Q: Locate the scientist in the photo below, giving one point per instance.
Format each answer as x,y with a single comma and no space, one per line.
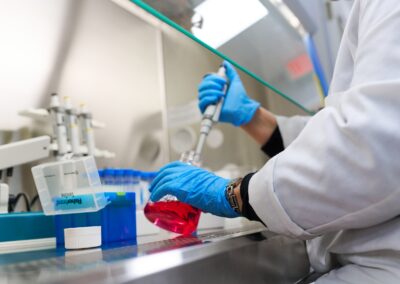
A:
334,178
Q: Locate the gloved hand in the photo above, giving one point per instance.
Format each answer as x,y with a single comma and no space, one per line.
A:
194,186
238,108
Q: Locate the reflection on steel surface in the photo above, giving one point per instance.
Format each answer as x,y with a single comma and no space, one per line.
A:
276,259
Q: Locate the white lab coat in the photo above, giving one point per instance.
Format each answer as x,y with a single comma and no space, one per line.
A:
337,183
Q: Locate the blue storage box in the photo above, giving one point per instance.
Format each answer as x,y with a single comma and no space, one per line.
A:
117,220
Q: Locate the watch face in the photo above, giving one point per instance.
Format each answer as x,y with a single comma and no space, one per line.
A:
230,196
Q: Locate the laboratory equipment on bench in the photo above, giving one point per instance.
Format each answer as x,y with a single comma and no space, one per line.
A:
173,215
128,180
87,129
169,213
4,192
117,220
57,113
19,153
72,127
69,186
82,237
72,191
73,132
210,117
146,179
64,144
24,151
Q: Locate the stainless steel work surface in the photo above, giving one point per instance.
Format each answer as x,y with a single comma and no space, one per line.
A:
245,255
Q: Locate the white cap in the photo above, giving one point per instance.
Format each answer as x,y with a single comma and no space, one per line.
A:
84,108
67,102
82,237
54,101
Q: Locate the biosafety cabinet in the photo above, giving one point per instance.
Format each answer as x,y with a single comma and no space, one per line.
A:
137,65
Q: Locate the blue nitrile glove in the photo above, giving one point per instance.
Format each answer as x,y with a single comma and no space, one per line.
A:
194,186
238,108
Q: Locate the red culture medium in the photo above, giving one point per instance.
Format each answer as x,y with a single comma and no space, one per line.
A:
174,216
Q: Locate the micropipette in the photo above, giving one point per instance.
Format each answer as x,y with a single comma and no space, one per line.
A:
72,127
87,129
210,117
59,129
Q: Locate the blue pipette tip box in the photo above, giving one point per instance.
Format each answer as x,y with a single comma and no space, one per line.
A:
117,220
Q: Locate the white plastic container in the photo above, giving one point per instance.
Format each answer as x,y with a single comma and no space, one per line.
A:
69,186
82,237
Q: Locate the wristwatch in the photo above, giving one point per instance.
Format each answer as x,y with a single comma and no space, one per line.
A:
230,195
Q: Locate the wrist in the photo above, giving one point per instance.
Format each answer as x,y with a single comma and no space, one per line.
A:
261,126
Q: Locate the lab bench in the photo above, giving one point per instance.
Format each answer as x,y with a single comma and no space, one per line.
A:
239,255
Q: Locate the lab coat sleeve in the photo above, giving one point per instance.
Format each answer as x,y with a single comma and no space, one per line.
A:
290,127
342,170
285,132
